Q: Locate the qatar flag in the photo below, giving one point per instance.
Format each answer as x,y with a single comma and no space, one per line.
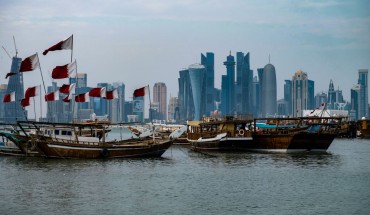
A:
140,92
113,94
84,97
64,44
29,64
67,98
53,96
97,92
9,97
25,102
32,91
10,74
67,88
60,72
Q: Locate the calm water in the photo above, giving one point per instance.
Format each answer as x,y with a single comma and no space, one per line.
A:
186,182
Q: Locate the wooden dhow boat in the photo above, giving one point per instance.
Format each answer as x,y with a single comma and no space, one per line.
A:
220,133
64,140
363,127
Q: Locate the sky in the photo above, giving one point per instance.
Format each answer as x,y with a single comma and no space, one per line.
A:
140,42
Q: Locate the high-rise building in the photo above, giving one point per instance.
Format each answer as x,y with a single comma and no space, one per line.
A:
197,73
302,93
335,97
208,61
256,97
173,110
364,93
355,113
81,87
118,105
228,87
260,77
160,97
14,110
185,95
288,97
244,81
269,91
321,98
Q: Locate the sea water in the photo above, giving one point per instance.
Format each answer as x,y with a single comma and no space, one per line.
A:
187,182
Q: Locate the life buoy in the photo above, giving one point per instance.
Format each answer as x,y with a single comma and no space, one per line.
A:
241,132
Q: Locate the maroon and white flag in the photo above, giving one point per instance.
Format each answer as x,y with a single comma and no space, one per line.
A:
53,96
67,88
98,92
113,94
9,97
64,44
25,102
140,92
68,70
10,74
84,97
67,98
32,91
30,63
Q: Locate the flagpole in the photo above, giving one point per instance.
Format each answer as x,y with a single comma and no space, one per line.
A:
43,83
72,49
150,114
34,106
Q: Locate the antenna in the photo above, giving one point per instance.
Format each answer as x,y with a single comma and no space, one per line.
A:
15,45
7,52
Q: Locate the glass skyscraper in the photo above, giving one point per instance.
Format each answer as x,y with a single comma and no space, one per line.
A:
160,97
364,91
197,73
14,110
208,61
268,92
303,93
228,87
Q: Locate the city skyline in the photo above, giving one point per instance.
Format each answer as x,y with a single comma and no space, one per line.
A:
328,40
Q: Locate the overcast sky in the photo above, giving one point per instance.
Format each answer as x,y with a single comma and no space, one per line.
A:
141,42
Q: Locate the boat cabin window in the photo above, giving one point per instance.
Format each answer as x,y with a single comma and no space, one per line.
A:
67,133
56,132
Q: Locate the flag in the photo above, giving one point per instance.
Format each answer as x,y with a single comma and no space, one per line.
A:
84,97
215,112
113,94
9,97
60,72
10,74
67,98
25,102
53,96
30,63
67,88
139,92
97,92
64,44
32,91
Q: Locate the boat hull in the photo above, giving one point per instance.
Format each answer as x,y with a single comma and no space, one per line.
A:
224,144
57,149
318,142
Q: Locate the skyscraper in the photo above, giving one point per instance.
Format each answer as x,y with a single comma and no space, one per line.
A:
364,93
228,87
244,81
14,110
269,92
197,73
160,97
185,95
303,90
355,102
208,61
173,110
288,96
119,111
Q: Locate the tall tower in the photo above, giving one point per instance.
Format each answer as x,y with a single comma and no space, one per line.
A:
288,96
269,91
364,93
160,97
228,87
14,110
197,73
208,61
185,95
302,93
244,81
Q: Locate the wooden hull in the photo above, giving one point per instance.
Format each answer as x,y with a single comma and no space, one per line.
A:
319,142
275,143
55,149
24,147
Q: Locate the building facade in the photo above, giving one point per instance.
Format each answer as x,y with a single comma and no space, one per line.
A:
160,98
303,90
208,61
228,87
268,91
197,74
